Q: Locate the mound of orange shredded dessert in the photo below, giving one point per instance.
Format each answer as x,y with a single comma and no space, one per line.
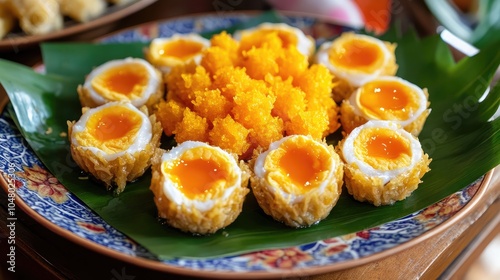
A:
247,94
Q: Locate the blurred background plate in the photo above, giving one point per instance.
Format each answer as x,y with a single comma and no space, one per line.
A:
17,40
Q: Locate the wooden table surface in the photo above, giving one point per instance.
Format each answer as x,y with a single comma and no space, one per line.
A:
42,254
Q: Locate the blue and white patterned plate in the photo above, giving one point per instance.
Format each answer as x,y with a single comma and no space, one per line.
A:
40,194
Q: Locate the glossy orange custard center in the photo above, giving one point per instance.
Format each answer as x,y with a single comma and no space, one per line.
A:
124,79
356,54
113,123
197,176
385,146
380,96
299,165
182,49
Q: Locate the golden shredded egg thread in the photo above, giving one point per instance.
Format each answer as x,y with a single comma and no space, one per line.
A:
114,142
298,180
194,181
249,99
383,162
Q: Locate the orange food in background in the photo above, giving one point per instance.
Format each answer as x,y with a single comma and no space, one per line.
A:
376,14
241,97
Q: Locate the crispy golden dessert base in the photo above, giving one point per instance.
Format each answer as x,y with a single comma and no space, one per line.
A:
121,170
314,206
241,100
190,219
341,90
372,190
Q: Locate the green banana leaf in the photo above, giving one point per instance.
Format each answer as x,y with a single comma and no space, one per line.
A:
459,135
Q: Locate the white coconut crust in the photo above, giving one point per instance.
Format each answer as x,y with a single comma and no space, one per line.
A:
117,172
373,190
314,207
189,218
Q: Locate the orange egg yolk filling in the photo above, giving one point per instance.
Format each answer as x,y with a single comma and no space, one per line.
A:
387,147
181,49
125,79
197,176
301,167
379,97
356,54
113,123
